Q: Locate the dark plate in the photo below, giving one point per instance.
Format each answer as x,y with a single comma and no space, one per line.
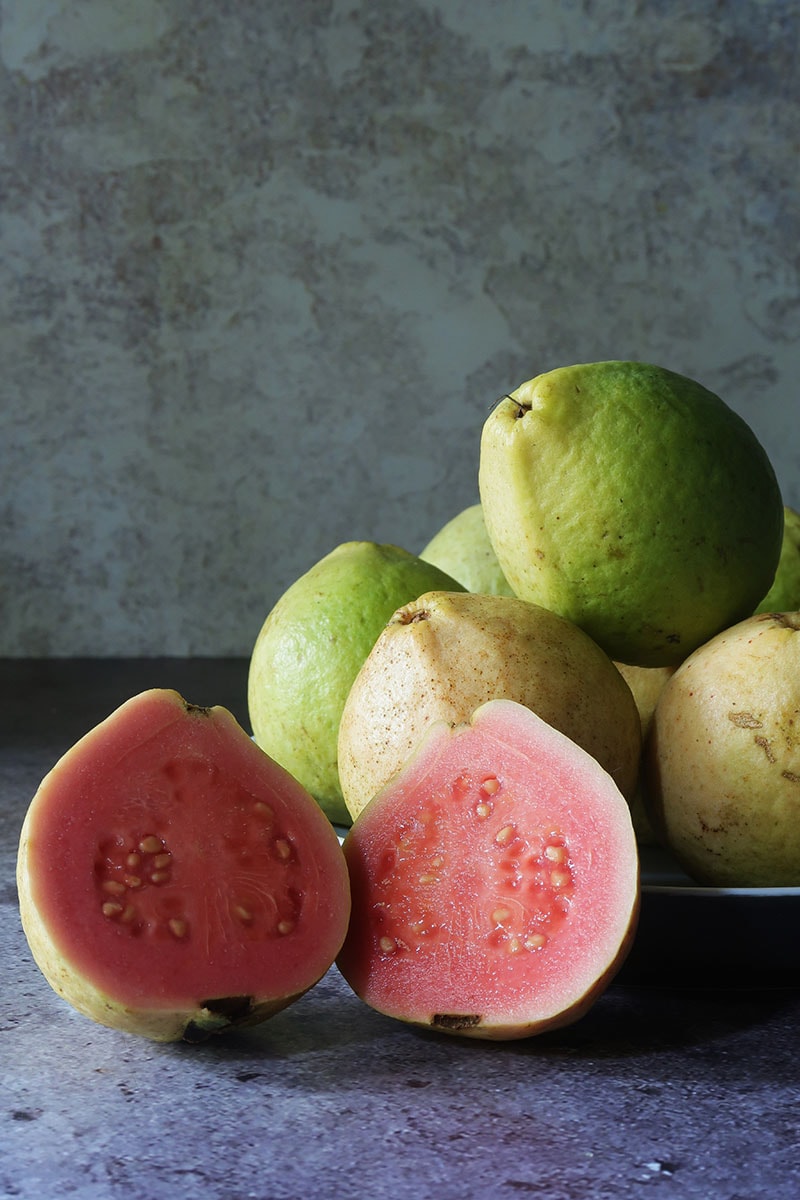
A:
712,937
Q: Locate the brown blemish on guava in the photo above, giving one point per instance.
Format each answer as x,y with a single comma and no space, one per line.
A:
455,1021
787,620
745,720
707,828
765,746
407,616
791,776
199,710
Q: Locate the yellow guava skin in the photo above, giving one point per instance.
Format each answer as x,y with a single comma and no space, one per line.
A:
310,647
462,548
784,595
445,654
646,684
632,501
722,757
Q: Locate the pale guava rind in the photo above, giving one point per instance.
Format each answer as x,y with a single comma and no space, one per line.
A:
310,648
438,860
646,684
462,549
784,595
75,811
445,654
722,757
633,501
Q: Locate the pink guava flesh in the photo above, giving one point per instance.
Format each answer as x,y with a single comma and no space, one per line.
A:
171,864
495,881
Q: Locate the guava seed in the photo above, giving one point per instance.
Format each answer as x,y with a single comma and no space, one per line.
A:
151,844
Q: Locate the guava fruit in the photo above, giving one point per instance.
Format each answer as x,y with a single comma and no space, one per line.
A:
633,501
310,648
646,684
445,654
494,881
462,549
173,880
723,757
784,595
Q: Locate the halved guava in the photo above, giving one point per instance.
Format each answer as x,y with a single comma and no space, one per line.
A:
173,879
494,880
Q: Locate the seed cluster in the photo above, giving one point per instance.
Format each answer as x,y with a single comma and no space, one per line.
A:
252,882
124,868
526,883
536,883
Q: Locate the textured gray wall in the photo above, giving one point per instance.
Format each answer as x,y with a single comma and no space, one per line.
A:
266,266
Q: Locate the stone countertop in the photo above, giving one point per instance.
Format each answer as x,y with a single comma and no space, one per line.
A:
663,1088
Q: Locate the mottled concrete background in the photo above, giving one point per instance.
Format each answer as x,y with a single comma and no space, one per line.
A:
266,266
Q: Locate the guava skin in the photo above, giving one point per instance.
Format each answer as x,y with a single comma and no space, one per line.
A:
173,881
504,840
445,654
784,595
586,521
722,758
310,647
462,548
646,684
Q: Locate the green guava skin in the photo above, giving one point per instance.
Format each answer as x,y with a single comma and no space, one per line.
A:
310,649
784,595
632,501
462,548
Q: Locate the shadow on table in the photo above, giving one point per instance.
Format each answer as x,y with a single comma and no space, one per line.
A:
349,1044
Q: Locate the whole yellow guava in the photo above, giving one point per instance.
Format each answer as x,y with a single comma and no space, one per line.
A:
443,655
722,757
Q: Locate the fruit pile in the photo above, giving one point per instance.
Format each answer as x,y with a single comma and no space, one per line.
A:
597,656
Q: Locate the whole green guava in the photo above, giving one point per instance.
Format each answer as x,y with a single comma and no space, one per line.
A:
633,501
309,651
462,548
784,595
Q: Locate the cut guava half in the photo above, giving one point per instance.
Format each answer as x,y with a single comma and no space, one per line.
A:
494,881
173,879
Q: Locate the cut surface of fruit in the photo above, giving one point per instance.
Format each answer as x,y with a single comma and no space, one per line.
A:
174,879
494,881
